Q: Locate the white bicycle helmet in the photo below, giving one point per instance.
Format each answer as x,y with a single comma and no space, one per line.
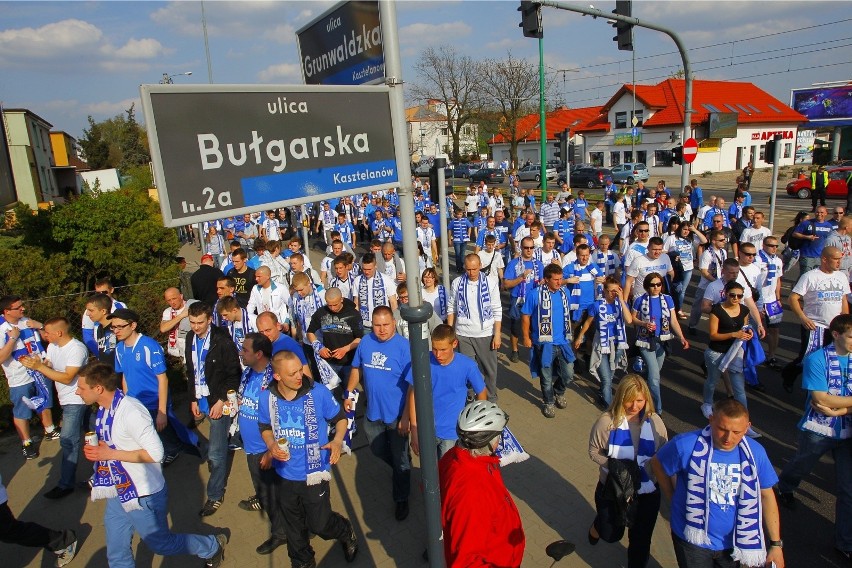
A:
478,424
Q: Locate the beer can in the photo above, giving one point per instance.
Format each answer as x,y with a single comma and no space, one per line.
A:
91,439
232,402
284,445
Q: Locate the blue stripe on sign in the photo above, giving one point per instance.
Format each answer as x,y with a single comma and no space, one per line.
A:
317,182
369,70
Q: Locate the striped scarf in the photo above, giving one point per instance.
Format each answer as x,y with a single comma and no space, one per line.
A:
316,461
379,296
545,314
483,299
611,332
583,292
749,545
238,333
839,384
111,479
662,316
606,261
621,448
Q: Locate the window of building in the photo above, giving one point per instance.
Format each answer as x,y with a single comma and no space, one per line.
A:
762,153
628,157
663,158
35,135
621,119
444,131
596,158
640,117
788,150
642,156
614,158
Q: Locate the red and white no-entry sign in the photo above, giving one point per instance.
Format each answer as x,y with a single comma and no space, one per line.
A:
690,150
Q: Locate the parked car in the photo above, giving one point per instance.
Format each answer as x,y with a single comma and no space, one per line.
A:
801,188
462,171
629,173
488,175
590,177
422,169
532,172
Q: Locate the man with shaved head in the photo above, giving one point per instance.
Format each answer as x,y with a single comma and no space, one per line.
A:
175,322
267,296
267,324
335,331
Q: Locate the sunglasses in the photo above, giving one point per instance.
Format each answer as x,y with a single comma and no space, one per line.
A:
749,254
529,248
735,296
643,230
655,285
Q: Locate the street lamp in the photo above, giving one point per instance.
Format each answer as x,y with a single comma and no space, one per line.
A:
168,79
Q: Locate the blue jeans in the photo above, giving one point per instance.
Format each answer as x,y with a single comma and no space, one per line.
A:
387,444
692,556
811,448
217,458
459,250
70,440
712,359
654,362
680,288
153,528
605,375
564,375
807,263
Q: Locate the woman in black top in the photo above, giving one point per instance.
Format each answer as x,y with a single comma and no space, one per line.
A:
728,321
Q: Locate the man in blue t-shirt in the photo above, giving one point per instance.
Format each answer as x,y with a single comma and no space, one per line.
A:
813,233
256,354
460,228
521,275
714,494
382,364
267,324
294,416
452,375
822,430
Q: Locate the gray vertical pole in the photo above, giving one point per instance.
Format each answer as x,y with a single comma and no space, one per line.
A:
446,239
416,313
773,193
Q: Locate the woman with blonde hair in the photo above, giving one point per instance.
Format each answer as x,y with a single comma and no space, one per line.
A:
630,429
433,292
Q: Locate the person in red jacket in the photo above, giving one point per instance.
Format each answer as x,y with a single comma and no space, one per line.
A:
481,523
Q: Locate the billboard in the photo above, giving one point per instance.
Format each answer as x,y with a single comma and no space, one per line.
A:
343,46
219,150
722,125
824,103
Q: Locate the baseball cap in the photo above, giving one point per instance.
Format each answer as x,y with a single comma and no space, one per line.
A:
124,314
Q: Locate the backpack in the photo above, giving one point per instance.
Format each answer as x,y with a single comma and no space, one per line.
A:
795,243
622,488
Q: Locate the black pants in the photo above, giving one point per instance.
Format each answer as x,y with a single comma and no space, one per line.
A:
308,508
817,195
267,483
31,534
639,535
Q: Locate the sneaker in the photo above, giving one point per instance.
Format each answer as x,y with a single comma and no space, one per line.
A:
234,447
58,492
250,504
53,436
561,401
216,560
707,410
773,364
209,508
30,451
759,387
269,546
787,500
170,459
349,544
549,411
514,357
67,554
752,433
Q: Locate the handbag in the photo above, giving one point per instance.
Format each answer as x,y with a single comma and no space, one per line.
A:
622,488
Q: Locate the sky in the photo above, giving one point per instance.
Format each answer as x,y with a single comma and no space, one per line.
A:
67,60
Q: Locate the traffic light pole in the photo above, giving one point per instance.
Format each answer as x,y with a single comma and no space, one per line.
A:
542,128
773,193
687,68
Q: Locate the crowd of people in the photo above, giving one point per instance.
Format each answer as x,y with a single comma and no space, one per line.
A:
278,354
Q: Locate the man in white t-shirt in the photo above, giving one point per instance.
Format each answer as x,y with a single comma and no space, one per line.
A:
757,232
771,270
267,296
491,260
134,448
65,356
175,322
327,264
18,333
597,218
841,238
818,297
710,267
652,261
371,289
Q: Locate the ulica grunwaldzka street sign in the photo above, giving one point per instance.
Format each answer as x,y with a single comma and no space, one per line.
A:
220,150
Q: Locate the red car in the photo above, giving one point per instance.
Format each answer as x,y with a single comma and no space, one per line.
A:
801,188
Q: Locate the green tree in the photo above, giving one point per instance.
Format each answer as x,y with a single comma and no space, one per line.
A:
94,146
133,152
117,142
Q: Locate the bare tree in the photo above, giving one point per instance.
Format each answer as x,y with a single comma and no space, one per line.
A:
452,80
512,89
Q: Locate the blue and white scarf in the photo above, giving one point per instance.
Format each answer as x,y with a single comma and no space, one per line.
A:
607,262
610,317
509,450
545,314
583,292
316,461
379,296
304,308
839,384
345,286
442,302
660,314
749,545
483,299
199,357
32,347
247,373
111,479
816,340
351,426
327,374
527,284
238,334
621,447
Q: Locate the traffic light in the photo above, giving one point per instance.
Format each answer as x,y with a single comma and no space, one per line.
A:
677,155
433,182
770,153
531,19
624,37
562,144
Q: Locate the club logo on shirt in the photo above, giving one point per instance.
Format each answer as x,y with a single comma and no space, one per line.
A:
378,360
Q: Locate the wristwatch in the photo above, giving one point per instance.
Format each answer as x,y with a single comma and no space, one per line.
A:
777,543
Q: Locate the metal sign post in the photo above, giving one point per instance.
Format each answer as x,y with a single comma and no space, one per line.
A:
446,239
417,312
773,193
